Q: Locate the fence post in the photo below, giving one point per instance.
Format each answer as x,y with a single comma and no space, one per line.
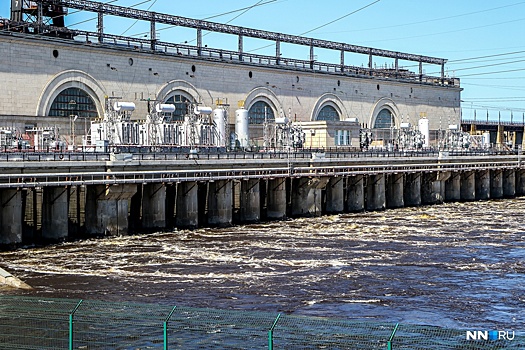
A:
71,324
270,332
166,328
392,337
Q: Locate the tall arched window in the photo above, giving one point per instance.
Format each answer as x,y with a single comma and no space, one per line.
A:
384,120
181,106
73,101
328,113
257,113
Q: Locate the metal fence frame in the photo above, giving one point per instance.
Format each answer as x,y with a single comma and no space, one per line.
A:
40,323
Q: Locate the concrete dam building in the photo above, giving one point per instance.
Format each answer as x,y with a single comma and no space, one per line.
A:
50,73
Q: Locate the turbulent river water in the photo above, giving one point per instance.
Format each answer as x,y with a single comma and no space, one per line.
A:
458,265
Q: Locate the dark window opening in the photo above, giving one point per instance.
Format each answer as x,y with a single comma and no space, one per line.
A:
328,113
259,111
73,101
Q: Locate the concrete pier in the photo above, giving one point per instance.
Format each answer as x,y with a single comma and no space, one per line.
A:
496,184
107,209
520,182
153,206
468,186
276,199
187,205
453,187
433,189
307,195
55,209
509,183
412,190
482,183
220,205
335,202
355,191
250,200
395,191
375,192
10,216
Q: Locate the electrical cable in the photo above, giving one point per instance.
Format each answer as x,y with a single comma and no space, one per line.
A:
431,20
109,2
239,15
136,21
214,16
340,18
326,24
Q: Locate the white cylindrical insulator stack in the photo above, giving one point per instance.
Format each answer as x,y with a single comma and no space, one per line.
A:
241,127
219,118
423,129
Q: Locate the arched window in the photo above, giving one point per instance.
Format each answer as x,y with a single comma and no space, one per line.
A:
258,111
181,106
328,113
73,101
384,120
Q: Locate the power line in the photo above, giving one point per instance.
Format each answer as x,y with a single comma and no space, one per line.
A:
340,18
496,72
483,66
487,56
326,24
215,16
239,15
450,32
131,26
431,20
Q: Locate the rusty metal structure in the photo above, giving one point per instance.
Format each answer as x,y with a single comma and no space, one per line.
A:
47,17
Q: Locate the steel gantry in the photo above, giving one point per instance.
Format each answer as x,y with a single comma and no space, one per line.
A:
153,17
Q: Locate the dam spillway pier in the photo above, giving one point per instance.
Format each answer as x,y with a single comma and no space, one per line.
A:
71,198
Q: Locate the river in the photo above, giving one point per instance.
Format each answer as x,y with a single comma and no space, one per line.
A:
457,265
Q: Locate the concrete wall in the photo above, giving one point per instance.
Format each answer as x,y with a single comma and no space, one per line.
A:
32,76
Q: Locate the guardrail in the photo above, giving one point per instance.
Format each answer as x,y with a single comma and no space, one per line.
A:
138,153
30,180
39,323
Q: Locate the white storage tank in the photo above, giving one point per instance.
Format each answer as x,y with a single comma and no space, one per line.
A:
241,127
219,119
423,129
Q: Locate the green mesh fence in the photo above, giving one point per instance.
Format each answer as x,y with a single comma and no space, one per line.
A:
296,332
28,323
37,323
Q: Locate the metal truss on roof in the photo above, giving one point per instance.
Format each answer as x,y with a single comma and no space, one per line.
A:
154,17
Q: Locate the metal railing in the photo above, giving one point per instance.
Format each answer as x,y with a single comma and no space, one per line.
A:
86,177
87,154
39,323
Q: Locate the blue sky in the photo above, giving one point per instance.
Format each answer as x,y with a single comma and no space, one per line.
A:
483,40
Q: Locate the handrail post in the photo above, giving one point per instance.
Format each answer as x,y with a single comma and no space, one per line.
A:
270,332
71,324
166,328
392,337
